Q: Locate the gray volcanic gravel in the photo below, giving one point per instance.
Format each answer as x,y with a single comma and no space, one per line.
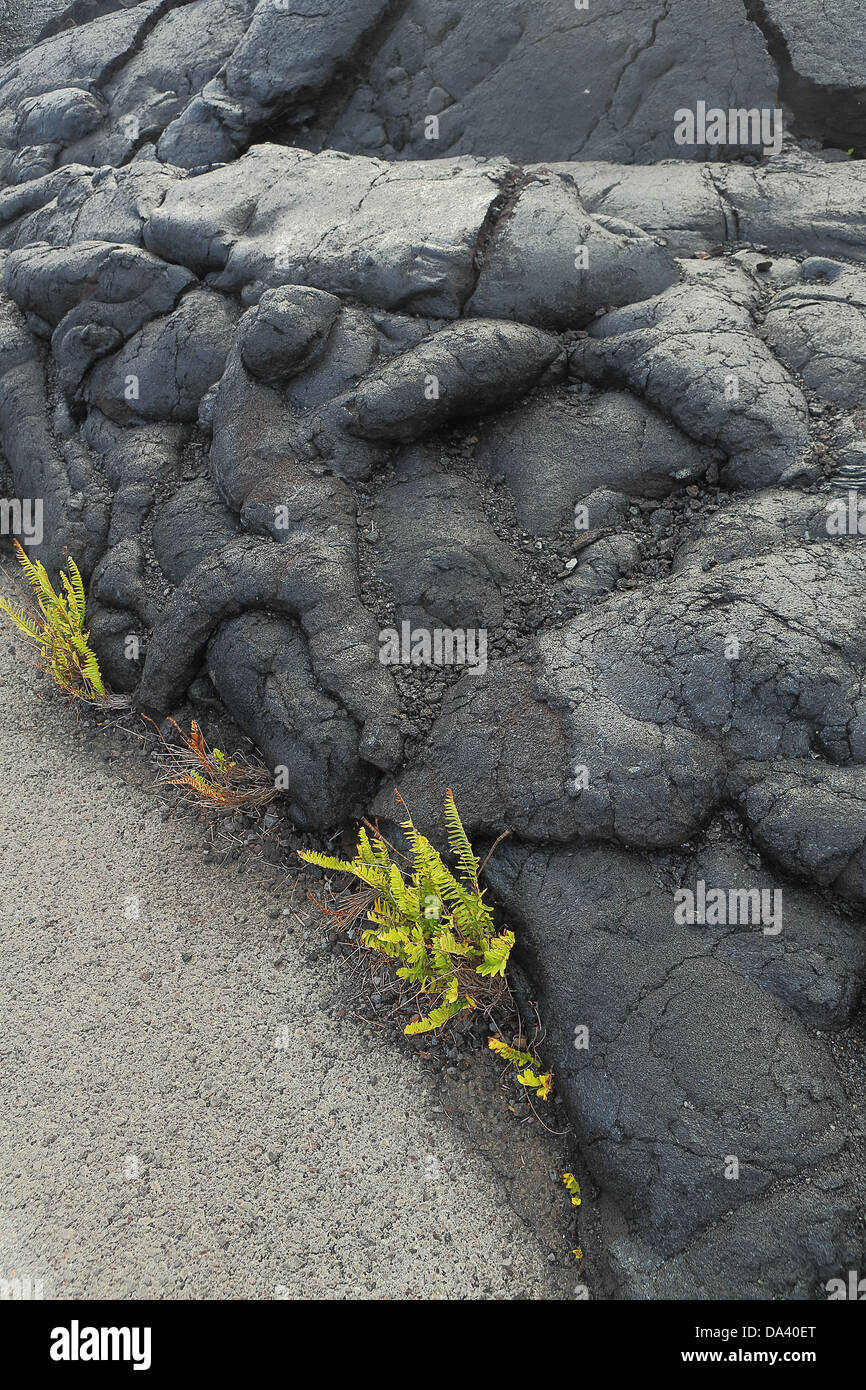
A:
190,1109
317,324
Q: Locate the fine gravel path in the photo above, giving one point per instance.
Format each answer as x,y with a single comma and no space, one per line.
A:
182,1116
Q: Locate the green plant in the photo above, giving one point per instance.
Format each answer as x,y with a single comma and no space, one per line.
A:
434,925
57,628
531,1075
573,1187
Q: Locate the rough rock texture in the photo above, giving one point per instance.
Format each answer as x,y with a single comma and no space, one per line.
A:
818,328
558,448
696,357
316,327
549,80
701,1047
528,272
197,80
821,54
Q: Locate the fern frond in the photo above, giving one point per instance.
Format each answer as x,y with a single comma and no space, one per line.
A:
327,861
77,587
458,841
436,1017
540,1084
22,620
92,673
511,1054
573,1187
71,617
30,569
496,955
531,1075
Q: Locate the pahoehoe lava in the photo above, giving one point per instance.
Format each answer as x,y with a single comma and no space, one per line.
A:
239,242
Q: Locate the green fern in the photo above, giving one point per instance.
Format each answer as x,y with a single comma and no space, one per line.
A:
434,924
58,628
458,841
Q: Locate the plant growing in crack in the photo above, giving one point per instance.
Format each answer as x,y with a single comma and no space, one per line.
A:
573,1188
433,926
56,626
209,776
528,1067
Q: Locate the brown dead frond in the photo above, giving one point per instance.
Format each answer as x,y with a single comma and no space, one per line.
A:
209,776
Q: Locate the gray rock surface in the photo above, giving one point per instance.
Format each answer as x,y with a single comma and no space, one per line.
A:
696,357
822,63
692,1060
528,271
818,329
556,450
